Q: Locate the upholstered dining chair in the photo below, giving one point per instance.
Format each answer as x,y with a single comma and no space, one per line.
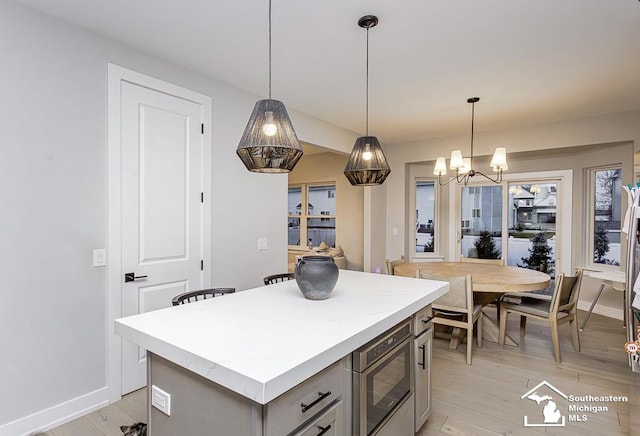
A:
456,307
277,278
391,264
202,294
558,308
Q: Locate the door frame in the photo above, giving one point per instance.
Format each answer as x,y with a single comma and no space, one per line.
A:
115,76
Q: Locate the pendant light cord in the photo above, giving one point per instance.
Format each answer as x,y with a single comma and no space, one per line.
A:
366,130
473,110
269,49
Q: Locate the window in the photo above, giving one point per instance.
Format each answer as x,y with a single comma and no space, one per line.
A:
532,225
605,215
425,217
481,213
316,222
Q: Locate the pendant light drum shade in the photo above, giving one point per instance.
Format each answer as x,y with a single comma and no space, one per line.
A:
367,165
269,143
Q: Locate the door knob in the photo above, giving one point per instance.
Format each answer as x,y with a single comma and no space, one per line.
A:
131,277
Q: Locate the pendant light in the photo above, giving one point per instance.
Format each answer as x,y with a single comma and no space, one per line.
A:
269,143
367,165
463,166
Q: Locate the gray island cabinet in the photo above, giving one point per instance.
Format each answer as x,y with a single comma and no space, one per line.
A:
266,361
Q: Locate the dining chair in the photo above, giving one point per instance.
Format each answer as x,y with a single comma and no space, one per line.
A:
456,308
558,308
391,264
500,262
202,294
277,278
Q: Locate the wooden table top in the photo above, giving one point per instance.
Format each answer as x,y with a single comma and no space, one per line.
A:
485,277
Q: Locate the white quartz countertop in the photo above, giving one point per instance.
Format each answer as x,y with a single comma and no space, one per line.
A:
264,341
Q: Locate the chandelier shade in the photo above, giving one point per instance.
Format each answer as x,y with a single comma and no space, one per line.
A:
269,143
367,165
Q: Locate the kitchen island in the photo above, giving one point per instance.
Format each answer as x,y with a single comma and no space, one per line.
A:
254,347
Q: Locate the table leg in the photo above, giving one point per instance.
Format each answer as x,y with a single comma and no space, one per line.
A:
491,331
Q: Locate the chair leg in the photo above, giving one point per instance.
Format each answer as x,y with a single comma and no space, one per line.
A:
479,332
553,325
523,325
503,325
469,344
575,333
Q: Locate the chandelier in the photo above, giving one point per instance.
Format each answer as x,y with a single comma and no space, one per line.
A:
463,166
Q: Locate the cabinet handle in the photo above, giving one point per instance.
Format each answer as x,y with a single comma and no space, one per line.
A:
321,396
422,347
323,430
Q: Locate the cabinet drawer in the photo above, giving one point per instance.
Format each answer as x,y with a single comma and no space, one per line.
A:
421,320
327,424
297,406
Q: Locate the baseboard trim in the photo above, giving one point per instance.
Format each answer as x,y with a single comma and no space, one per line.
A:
611,312
57,415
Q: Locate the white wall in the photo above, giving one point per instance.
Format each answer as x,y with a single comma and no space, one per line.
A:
53,187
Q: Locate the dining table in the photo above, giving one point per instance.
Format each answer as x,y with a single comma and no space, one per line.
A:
490,281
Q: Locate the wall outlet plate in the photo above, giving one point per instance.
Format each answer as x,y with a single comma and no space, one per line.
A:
161,400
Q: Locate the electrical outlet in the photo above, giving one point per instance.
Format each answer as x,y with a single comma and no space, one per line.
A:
161,400
262,243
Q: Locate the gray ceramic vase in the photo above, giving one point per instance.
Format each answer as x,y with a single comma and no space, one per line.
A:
316,276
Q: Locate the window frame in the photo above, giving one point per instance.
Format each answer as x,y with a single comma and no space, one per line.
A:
305,216
590,183
437,232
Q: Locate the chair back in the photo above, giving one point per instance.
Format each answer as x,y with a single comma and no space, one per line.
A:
202,294
485,261
566,292
277,278
460,295
391,264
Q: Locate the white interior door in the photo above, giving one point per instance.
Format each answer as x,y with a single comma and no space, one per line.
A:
162,212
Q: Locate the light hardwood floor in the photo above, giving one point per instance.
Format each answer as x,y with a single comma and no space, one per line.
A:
484,398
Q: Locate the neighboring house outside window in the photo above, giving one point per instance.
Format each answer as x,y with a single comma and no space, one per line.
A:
315,223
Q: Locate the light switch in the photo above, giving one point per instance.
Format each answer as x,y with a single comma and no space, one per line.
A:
394,231
100,257
262,243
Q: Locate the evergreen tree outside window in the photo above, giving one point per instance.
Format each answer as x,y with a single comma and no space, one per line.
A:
606,215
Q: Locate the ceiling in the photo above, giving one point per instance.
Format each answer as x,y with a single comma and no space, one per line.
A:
530,61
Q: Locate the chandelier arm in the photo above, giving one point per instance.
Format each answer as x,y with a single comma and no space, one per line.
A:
497,180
